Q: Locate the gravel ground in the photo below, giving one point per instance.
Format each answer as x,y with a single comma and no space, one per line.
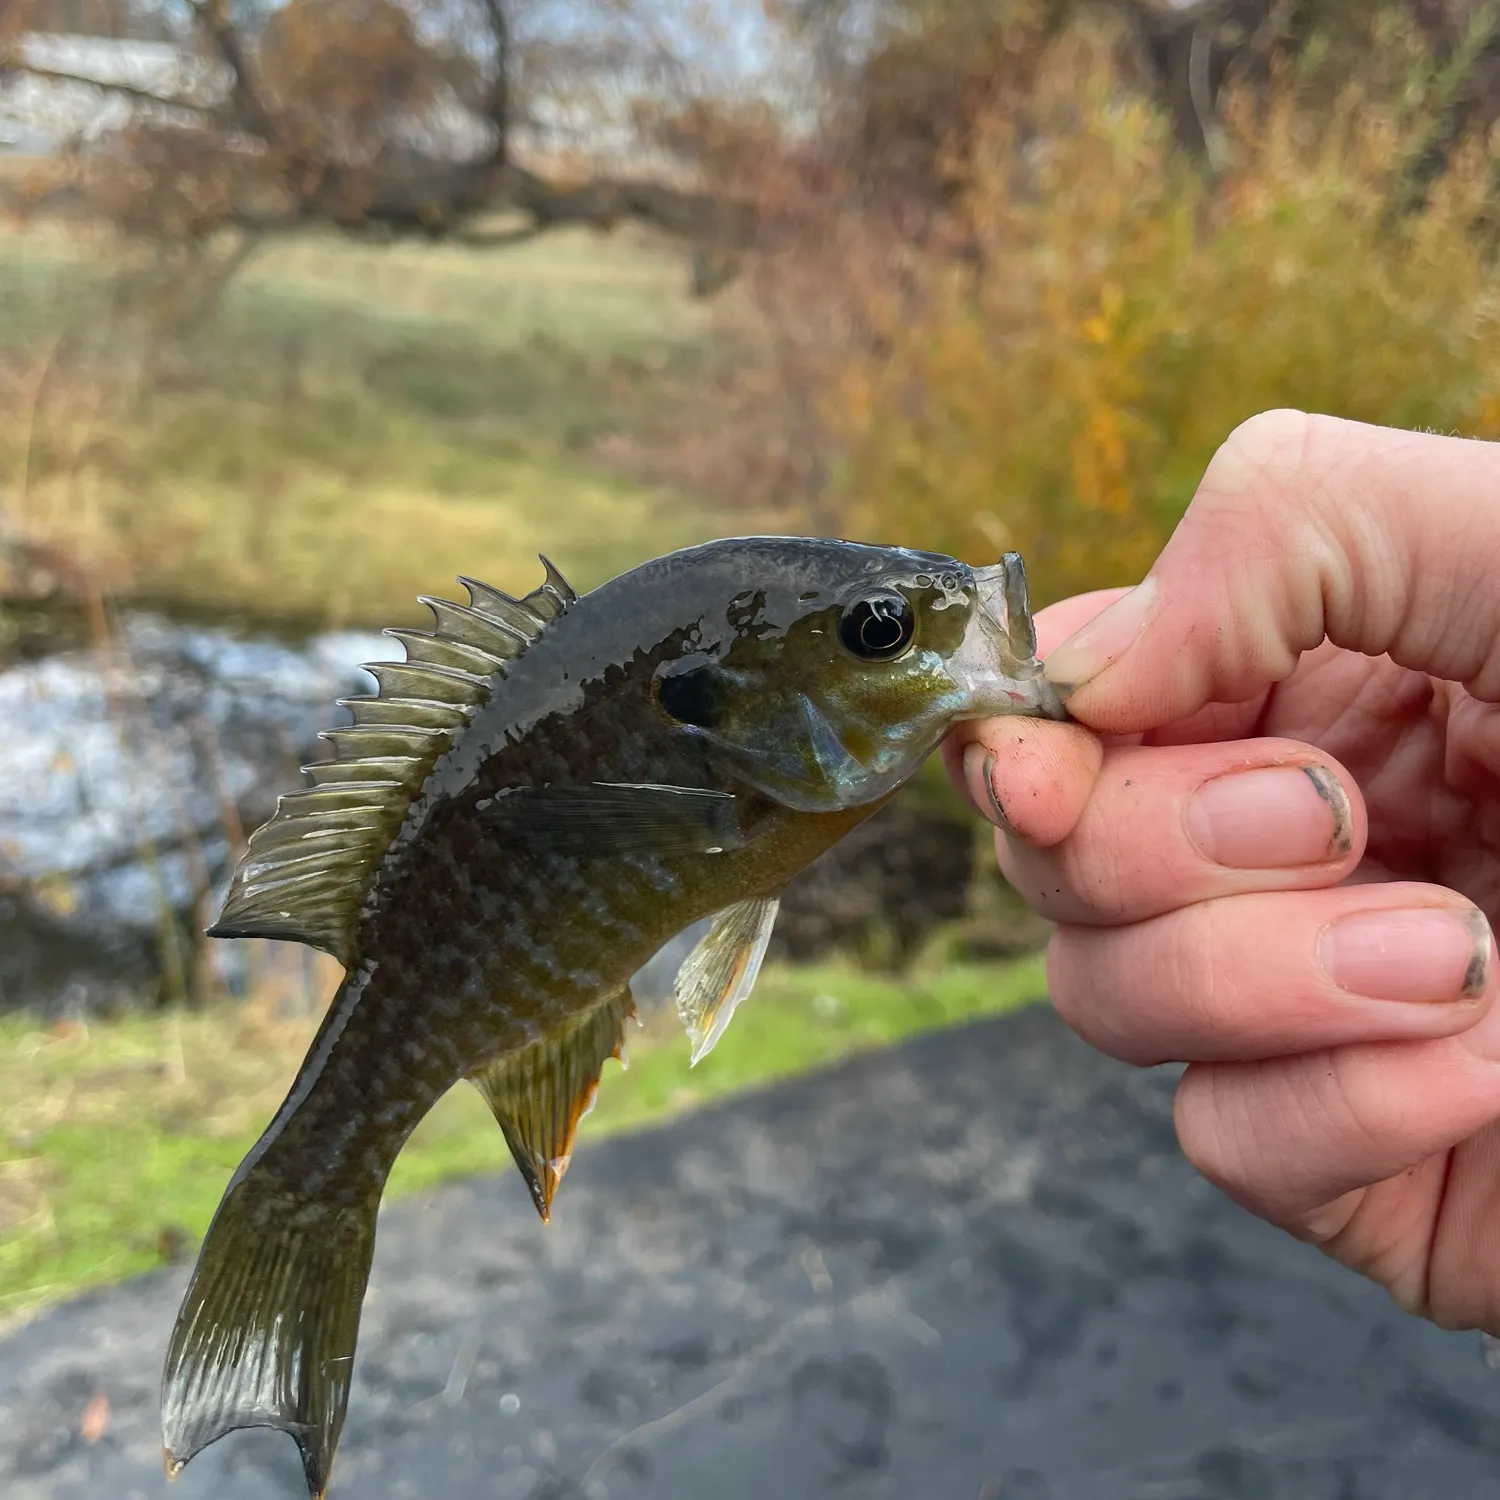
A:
974,1268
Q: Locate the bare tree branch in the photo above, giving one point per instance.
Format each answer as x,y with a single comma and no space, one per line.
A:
439,200
497,99
607,201
124,90
212,17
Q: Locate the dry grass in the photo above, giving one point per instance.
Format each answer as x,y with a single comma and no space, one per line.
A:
350,426
1066,398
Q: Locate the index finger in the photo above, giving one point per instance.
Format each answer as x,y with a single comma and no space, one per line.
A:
1304,528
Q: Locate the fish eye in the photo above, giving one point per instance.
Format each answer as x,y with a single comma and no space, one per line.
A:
878,627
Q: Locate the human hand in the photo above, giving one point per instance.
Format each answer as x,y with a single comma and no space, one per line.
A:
1277,854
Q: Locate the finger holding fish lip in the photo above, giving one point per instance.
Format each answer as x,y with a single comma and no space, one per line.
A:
1167,826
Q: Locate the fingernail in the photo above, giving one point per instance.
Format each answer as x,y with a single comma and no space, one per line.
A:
1271,818
979,775
1101,643
1433,955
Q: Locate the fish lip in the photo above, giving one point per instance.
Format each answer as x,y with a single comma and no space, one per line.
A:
1003,598
996,665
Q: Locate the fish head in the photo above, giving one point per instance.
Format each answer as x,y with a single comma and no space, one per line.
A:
828,681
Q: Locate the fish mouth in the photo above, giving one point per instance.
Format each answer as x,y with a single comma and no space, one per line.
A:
996,664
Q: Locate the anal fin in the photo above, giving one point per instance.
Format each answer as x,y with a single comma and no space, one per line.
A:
541,1092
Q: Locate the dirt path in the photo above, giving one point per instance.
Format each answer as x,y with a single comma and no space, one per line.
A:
971,1269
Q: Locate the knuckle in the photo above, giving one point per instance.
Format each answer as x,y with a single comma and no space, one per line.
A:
1070,986
1083,992
1102,863
1270,443
1208,1123
1200,978
1126,858
1360,1100
1248,479
1096,988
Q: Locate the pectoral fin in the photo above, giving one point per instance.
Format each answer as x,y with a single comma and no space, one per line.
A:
620,817
721,970
540,1093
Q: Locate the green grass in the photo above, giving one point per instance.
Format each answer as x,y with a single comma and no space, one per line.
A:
116,1139
352,425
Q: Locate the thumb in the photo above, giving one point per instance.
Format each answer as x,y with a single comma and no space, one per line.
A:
1304,528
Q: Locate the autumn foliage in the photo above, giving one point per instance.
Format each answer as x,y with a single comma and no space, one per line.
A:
1053,369
340,73
1005,276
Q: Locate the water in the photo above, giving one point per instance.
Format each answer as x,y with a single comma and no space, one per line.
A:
122,780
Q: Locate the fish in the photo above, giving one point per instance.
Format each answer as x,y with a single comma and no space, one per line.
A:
538,799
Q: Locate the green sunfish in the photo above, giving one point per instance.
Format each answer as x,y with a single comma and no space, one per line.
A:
539,798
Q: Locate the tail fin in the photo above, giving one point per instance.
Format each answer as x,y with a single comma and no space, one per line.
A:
266,1333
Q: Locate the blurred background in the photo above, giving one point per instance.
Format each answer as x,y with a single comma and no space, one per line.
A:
308,306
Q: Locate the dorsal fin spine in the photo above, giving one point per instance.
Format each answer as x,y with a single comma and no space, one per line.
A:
358,741
461,623
553,598
433,649
445,684
419,713
499,605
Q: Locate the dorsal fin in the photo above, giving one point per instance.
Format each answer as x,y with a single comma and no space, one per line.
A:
306,871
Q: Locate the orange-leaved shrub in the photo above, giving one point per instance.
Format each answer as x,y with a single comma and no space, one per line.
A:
1058,382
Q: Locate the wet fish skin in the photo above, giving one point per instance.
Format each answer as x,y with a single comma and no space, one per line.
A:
680,742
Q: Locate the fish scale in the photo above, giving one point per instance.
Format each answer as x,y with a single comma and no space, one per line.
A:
542,795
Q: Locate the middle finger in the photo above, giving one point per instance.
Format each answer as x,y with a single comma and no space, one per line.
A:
1166,826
